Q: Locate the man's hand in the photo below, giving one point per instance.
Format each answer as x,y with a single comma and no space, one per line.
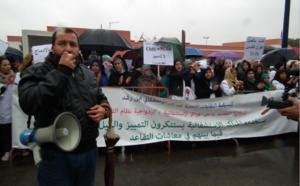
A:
96,113
291,112
68,60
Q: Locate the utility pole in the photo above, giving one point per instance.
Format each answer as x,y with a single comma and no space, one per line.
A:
286,19
206,38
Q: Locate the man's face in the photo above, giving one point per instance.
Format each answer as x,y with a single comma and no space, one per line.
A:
65,42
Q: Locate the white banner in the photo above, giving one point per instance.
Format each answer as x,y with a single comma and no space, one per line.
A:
40,52
254,48
158,53
141,119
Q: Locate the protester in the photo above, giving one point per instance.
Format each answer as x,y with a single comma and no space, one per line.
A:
281,81
279,65
146,80
193,75
218,70
27,62
164,73
7,77
230,84
241,70
95,67
107,64
259,70
178,90
120,77
63,84
207,87
251,83
265,79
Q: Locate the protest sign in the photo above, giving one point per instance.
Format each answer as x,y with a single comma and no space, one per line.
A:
254,48
158,53
40,52
3,47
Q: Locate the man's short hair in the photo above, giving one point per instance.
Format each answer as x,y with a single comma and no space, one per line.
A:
65,31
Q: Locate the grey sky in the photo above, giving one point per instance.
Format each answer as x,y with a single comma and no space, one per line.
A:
221,20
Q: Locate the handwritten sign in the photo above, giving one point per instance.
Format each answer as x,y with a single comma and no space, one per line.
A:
3,47
254,48
141,119
40,52
158,53
202,63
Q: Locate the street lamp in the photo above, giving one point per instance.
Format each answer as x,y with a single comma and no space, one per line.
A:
206,38
112,23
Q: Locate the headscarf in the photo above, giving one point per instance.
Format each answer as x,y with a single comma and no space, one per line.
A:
277,77
268,86
246,75
229,77
95,61
145,67
124,65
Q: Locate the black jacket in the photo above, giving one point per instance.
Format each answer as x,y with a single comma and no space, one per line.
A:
204,90
176,81
47,89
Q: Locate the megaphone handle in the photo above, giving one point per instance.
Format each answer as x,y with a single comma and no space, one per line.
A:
105,105
31,135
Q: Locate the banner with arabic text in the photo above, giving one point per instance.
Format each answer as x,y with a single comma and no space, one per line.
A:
141,119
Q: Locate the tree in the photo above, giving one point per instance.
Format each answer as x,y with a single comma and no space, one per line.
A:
293,42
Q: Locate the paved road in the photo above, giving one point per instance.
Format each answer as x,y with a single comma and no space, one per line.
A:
257,161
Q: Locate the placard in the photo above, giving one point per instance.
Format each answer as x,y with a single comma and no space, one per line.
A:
158,53
40,52
254,48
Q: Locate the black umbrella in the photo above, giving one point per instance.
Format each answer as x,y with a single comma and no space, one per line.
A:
103,41
268,48
13,54
277,55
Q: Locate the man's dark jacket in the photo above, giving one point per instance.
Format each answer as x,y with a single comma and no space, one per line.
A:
48,89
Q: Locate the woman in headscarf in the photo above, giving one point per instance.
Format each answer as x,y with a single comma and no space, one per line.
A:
265,79
230,84
147,80
281,81
251,83
120,77
241,70
177,87
207,87
95,67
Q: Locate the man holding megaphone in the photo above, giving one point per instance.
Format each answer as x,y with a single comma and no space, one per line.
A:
64,98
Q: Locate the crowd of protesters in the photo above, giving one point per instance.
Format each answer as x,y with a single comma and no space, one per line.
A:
185,80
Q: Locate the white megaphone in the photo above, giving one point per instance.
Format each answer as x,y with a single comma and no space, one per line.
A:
65,133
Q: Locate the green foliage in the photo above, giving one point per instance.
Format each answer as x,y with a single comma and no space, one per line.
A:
293,42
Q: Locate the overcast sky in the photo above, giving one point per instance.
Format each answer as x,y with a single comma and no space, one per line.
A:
220,20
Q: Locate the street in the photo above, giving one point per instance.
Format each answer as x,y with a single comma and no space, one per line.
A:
272,160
